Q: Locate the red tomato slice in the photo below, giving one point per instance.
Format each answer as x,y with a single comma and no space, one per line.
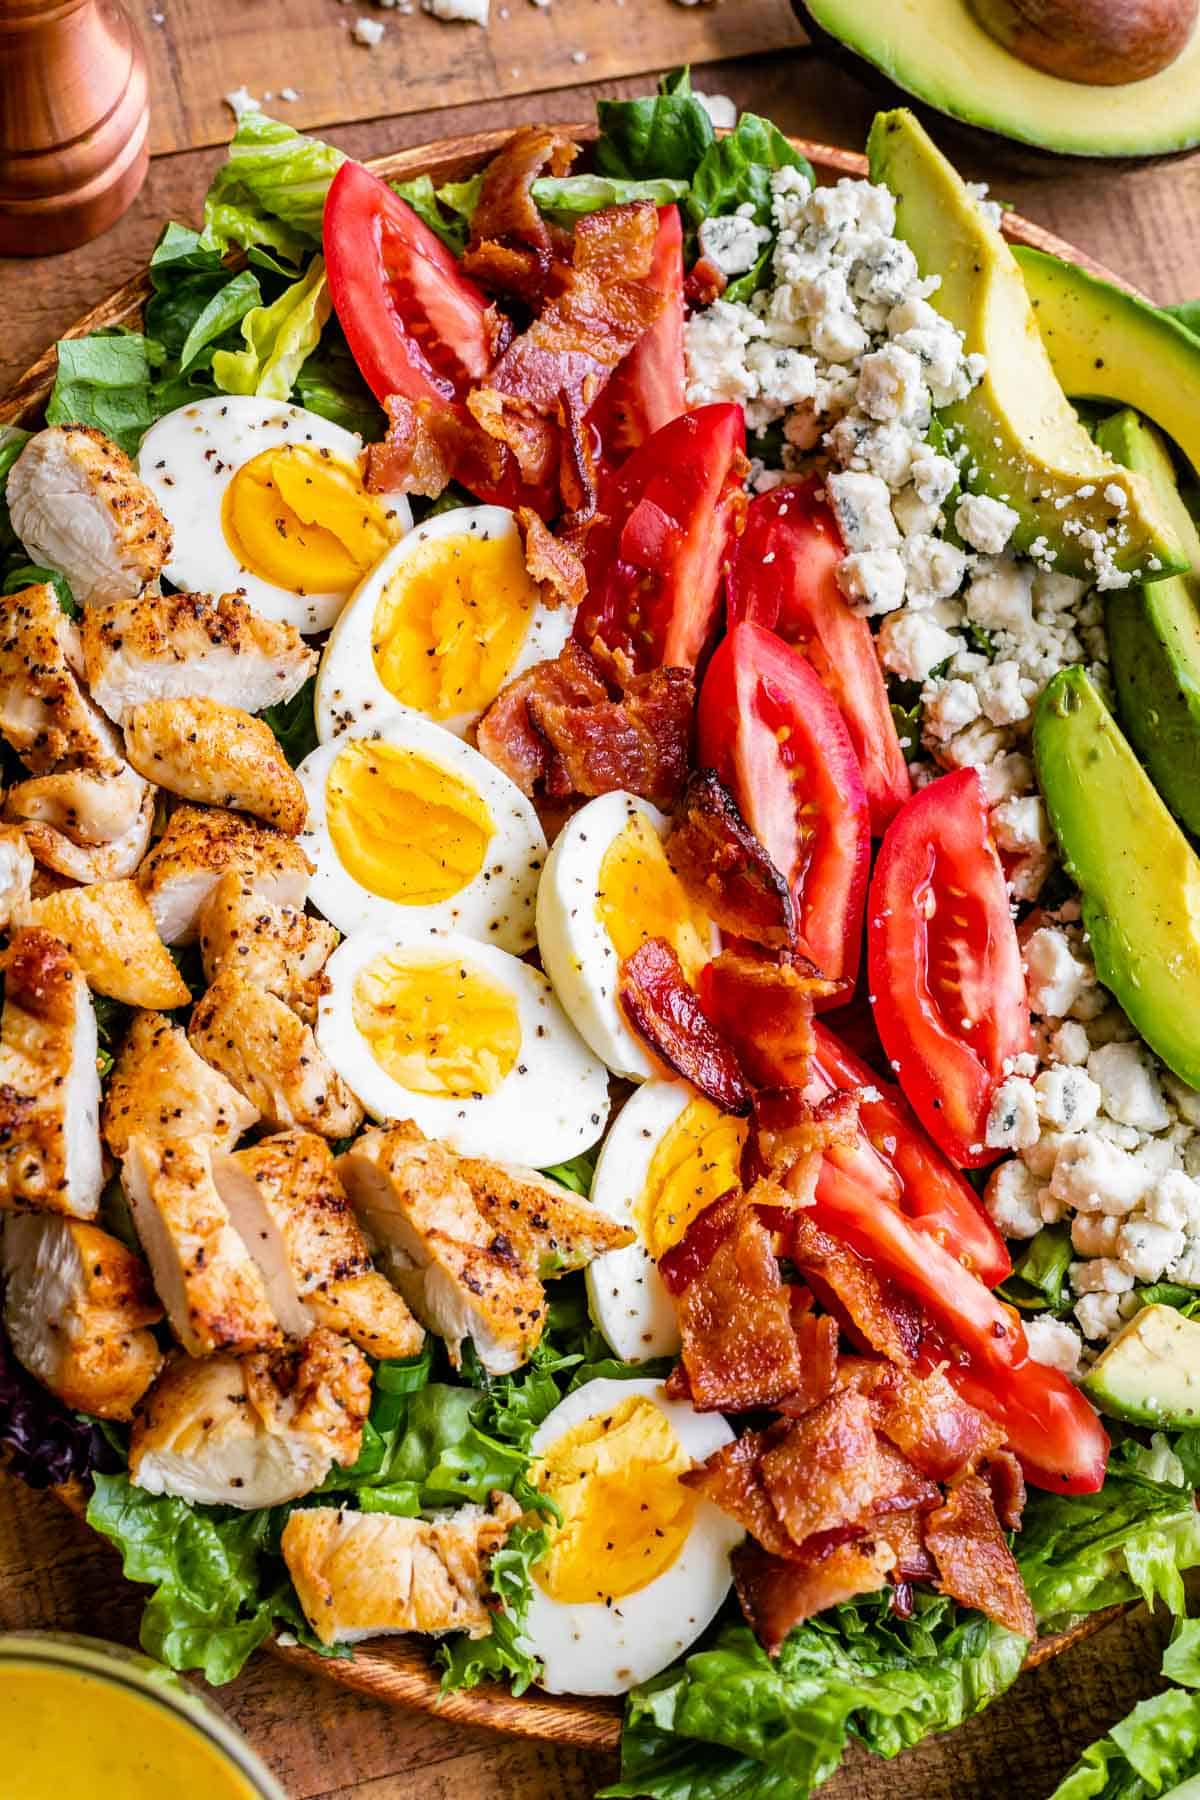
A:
944,964
933,1194
645,391
1051,1426
784,576
771,731
414,323
656,555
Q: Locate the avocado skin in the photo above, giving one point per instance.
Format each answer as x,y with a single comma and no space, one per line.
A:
1138,875
1154,638
1025,444
1150,1373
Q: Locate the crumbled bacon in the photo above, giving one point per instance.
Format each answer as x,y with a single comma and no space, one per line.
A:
513,247
1006,1479
792,1135
662,1008
911,1561
722,865
427,445
704,283
551,562
924,1417
974,1563
817,1347
879,1315
765,1009
732,1479
777,1594
825,1471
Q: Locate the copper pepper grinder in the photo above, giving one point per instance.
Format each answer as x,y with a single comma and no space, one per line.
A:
74,112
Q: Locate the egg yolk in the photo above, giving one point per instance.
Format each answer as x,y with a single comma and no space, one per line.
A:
640,896
625,1513
301,519
437,1026
404,827
450,623
697,1160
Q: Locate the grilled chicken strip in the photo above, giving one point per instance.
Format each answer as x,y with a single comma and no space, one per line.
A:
199,845
210,1285
551,1229
50,1154
91,793
110,931
189,647
275,947
252,1432
217,754
160,1088
16,876
285,1199
271,1056
76,1305
90,806
44,712
361,1575
79,506
461,1277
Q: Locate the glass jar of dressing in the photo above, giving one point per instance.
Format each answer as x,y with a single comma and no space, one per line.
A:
78,1716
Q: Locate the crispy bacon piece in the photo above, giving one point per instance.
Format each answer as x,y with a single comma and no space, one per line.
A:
974,1564
551,562
778,1594
817,1344
791,1135
507,735
911,1561
512,247
825,1471
551,375
1006,1479
704,284
765,1009
924,1417
663,1010
722,865
427,445
887,1320
732,1479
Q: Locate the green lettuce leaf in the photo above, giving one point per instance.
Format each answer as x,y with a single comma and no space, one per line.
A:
1155,1749
664,136
1181,1658
570,196
18,575
12,441
294,722
270,193
106,381
329,383
278,338
446,210
736,170
504,1654
196,301
1040,1272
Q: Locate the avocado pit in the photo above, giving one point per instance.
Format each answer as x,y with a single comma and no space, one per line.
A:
1102,43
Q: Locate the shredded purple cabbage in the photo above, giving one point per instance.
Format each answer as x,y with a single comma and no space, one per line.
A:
43,1442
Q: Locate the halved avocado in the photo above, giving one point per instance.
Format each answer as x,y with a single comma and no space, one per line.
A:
1026,445
938,51
1109,345
1154,637
1138,875
1150,1373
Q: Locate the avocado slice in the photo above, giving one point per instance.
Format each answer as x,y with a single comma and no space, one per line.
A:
1138,874
938,51
1025,443
1154,637
1106,344
1150,1373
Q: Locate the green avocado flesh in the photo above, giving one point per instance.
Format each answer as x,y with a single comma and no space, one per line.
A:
1154,637
1026,446
1109,345
1138,875
938,51
1150,1373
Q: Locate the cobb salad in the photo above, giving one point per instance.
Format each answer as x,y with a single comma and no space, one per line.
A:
597,1055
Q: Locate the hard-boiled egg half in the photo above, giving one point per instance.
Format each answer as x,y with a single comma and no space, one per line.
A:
640,1563
447,618
410,829
670,1153
607,886
465,1040
268,499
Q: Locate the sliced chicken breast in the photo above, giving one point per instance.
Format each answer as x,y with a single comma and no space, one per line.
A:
252,1432
160,1088
279,948
16,876
209,1283
271,1056
91,793
44,713
362,1575
551,1229
91,806
79,506
76,1305
291,1210
189,647
217,754
199,845
50,1153
110,931
461,1278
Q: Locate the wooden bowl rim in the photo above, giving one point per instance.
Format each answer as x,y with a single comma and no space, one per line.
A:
399,1671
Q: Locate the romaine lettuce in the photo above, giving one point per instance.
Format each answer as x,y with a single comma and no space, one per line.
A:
1155,1750
270,193
278,338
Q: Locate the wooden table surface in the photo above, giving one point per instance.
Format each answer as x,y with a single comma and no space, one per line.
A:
1142,221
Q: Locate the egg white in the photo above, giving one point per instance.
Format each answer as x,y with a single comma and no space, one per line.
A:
188,460
552,1106
590,1648
497,906
349,690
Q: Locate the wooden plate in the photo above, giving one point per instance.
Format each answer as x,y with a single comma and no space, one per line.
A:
400,1670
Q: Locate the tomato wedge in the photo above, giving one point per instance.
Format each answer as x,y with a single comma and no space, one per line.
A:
771,731
944,964
784,576
414,323
932,1194
656,555
646,390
